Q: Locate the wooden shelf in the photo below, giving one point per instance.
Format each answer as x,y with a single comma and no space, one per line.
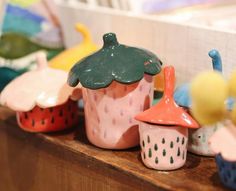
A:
67,161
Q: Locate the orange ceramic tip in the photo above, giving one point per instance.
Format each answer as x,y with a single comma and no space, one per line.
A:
167,112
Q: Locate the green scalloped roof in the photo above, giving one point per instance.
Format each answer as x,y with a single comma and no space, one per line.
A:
114,61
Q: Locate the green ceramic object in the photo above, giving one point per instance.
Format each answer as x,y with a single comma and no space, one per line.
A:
7,75
114,61
15,45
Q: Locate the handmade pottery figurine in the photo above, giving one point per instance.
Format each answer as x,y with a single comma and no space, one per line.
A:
117,84
42,100
66,59
209,107
163,130
198,138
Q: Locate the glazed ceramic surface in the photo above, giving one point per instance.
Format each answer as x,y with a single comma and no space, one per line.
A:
41,99
110,112
227,171
66,59
118,84
182,96
49,119
44,87
163,148
198,139
114,62
167,112
163,130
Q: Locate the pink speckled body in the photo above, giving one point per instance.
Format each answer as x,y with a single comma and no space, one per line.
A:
163,147
109,113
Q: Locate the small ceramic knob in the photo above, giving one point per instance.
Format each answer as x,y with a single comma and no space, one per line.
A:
109,39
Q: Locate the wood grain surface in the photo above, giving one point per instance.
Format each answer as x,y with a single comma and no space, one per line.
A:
66,161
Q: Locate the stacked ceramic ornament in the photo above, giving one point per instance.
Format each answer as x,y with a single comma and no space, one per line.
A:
117,90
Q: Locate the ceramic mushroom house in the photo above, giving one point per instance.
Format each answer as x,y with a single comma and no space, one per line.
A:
117,84
209,108
42,99
198,138
163,130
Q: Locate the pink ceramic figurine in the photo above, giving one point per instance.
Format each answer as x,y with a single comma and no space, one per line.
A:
164,130
42,99
117,84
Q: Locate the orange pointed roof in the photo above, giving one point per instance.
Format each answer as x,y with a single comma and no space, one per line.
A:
167,112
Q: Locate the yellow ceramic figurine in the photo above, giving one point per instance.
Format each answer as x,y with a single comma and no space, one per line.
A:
232,84
69,57
232,93
209,92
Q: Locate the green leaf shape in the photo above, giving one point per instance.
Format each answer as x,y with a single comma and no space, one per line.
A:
15,45
114,61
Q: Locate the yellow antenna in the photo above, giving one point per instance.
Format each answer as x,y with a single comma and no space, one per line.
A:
84,32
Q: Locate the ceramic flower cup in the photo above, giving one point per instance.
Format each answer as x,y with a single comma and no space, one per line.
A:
42,100
117,84
163,130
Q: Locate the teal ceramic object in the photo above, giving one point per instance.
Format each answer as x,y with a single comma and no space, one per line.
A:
114,61
181,95
216,60
15,45
7,75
